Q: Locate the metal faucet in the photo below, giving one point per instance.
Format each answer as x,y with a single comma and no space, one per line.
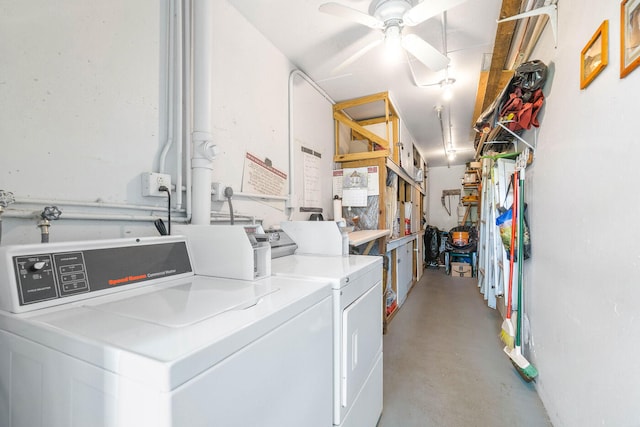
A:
50,213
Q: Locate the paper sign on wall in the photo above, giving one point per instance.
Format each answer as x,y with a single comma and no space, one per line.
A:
373,187
337,183
311,176
260,178
354,187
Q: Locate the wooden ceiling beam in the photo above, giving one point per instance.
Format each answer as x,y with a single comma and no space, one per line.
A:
501,46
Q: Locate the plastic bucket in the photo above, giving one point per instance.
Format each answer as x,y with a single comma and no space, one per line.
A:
460,238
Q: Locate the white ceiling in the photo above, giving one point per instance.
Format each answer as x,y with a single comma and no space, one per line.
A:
317,43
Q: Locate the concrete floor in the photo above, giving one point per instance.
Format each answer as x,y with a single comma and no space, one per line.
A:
444,364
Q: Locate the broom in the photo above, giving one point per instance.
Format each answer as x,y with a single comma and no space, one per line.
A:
507,334
525,369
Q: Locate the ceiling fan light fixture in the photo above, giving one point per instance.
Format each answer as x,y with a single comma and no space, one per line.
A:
451,155
393,41
447,93
391,16
447,88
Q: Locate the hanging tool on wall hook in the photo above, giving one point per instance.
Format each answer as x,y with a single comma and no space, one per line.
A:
50,213
523,159
550,8
447,194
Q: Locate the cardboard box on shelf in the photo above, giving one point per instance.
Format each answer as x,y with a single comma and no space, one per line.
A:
359,146
470,178
461,269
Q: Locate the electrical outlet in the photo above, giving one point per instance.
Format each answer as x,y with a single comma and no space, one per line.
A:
217,192
151,181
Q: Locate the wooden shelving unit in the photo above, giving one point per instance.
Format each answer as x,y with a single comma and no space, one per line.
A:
472,186
353,135
367,133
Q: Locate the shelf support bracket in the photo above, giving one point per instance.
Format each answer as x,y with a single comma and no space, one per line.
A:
535,137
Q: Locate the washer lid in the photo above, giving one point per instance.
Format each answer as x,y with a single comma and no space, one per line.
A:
166,334
188,303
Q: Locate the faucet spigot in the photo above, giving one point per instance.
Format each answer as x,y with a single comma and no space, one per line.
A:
50,213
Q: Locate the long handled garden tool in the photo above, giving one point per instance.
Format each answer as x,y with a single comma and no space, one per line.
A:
507,334
526,369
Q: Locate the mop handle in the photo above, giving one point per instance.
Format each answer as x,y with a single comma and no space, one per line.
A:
520,256
514,207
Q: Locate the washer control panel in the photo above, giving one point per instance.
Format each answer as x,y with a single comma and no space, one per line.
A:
37,276
63,271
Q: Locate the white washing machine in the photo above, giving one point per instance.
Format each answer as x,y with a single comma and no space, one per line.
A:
357,330
122,333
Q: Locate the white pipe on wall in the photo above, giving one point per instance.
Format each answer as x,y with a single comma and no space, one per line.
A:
170,93
100,205
187,102
27,214
174,95
204,150
259,196
179,79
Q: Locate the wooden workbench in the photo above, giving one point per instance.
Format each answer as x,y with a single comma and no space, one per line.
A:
360,237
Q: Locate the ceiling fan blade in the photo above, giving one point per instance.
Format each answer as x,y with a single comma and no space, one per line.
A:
359,53
346,12
424,52
427,9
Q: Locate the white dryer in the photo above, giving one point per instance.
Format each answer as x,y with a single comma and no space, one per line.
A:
357,329
122,333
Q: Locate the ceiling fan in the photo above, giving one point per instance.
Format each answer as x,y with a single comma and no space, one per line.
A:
391,16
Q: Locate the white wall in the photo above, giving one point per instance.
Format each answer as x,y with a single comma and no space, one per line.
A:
83,113
81,103
582,293
438,179
251,115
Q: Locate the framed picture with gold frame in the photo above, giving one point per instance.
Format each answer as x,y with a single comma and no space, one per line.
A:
595,55
629,36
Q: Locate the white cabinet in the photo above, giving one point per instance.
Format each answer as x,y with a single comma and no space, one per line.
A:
404,269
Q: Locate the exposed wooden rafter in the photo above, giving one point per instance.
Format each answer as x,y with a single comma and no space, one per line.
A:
504,35
493,81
